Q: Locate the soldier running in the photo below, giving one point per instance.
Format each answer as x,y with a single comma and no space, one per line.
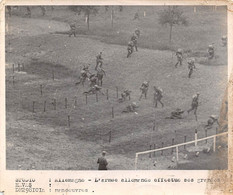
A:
211,121
72,30
130,48
210,52
99,60
191,66
179,55
135,41
137,32
194,105
158,96
224,41
144,88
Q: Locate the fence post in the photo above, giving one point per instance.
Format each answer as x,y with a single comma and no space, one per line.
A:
214,146
68,120
117,91
195,137
206,135
41,91
172,145
75,101
136,160
18,67
154,148
65,103
185,141
13,68
107,93
162,150
177,154
54,104
86,98
23,66
33,106
150,152
112,112
44,105
110,136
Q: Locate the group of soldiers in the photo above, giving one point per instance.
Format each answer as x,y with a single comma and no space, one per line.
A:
132,44
191,61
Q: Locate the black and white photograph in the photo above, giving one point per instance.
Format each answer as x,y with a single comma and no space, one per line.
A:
116,87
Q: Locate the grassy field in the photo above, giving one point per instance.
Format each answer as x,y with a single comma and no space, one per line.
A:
44,138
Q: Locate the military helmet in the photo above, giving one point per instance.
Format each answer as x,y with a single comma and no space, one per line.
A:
134,104
211,46
179,50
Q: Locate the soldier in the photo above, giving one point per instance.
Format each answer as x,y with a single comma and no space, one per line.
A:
72,30
191,66
99,60
131,107
130,48
158,96
224,41
43,10
211,121
177,114
144,88
210,52
84,75
137,32
135,41
179,55
136,16
194,105
93,80
100,75
94,89
28,12
102,162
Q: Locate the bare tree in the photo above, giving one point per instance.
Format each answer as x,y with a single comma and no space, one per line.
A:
172,16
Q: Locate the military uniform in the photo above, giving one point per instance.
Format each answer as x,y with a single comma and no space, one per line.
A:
224,41
177,114
135,42
211,51
99,60
144,88
211,121
130,108
137,32
191,66
158,96
179,55
102,162
130,48
194,104
72,30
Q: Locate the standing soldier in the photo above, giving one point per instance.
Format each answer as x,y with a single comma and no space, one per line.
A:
179,55
210,52
191,66
136,16
102,162
144,88
72,30
158,96
224,41
130,48
99,60
135,41
194,105
137,32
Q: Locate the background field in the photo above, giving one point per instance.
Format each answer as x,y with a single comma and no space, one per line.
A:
43,140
